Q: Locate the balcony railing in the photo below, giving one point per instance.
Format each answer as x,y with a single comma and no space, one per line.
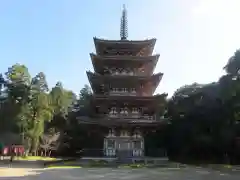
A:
128,73
135,136
122,73
132,116
122,93
157,152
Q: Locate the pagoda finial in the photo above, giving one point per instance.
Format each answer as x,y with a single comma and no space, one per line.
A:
124,24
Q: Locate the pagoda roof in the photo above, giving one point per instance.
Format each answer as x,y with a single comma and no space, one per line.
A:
151,102
128,58
106,78
146,41
97,80
129,98
99,61
142,46
105,121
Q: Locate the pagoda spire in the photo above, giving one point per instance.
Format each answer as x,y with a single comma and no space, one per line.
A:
124,24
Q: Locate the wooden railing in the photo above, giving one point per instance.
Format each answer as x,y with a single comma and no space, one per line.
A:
122,93
132,116
150,152
128,74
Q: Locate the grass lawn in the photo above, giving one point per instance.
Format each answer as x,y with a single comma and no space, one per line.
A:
36,158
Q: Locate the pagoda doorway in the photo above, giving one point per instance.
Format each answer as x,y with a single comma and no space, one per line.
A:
124,149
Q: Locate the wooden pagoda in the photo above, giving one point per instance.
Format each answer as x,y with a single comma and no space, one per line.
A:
123,84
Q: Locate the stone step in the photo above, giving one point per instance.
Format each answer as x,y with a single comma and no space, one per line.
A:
124,161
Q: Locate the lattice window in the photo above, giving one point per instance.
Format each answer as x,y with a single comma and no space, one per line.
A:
111,143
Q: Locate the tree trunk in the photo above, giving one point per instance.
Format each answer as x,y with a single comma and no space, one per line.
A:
50,152
34,145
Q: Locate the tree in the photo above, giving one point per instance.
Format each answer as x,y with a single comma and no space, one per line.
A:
61,99
233,65
40,110
62,102
76,134
85,95
83,104
49,142
18,74
3,97
32,111
204,117
17,83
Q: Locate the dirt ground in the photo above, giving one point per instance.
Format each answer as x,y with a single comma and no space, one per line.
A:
189,173
16,172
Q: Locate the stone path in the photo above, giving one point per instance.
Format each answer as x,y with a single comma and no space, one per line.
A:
190,173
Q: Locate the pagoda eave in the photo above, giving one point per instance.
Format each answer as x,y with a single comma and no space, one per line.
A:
125,98
133,42
108,78
128,58
119,122
149,102
150,81
99,62
144,47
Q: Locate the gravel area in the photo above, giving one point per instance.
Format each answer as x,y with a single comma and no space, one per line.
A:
189,173
16,172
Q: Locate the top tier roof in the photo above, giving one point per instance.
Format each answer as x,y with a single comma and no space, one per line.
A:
124,47
126,42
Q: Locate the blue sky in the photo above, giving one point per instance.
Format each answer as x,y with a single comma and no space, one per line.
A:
194,37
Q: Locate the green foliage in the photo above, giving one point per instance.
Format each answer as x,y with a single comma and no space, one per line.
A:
233,65
18,74
29,106
84,96
204,118
61,99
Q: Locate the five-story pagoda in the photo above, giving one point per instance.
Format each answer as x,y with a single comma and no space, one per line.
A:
123,84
